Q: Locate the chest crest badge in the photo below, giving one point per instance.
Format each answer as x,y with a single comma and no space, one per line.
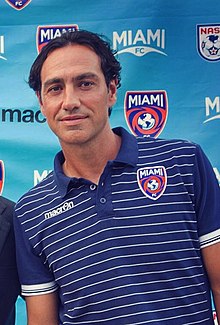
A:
152,181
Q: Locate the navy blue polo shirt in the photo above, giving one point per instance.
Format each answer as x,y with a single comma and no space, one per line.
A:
128,250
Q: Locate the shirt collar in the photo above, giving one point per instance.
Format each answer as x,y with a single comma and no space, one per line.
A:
61,179
127,155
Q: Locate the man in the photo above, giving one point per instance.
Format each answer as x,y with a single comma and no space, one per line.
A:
125,230
9,283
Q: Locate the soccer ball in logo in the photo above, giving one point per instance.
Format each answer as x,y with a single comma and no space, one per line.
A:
211,45
146,121
153,185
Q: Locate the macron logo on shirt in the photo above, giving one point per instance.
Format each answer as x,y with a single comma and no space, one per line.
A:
63,208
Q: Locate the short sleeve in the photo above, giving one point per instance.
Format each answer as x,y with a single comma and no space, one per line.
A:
35,277
207,200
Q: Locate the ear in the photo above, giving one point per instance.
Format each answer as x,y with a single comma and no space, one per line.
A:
38,94
112,92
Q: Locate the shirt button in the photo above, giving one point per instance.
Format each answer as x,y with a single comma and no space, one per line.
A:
103,200
92,187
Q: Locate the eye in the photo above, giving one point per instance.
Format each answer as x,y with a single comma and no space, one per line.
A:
54,89
86,84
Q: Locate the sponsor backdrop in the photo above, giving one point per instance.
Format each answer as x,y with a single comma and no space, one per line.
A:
170,53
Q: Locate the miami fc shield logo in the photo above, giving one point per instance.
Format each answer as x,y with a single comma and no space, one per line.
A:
146,112
2,176
208,41
18,4
47,33
152,181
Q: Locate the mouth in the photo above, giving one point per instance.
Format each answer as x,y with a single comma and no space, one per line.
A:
73,119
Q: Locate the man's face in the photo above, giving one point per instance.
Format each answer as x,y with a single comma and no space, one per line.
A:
74,95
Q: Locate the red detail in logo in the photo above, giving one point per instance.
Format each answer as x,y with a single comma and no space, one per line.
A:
2,176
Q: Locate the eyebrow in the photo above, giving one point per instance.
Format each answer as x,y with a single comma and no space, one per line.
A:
77,78
51,81
86,75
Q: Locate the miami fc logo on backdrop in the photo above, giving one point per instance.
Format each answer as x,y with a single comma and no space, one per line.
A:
152,181
18,4
139,42
2,47
47,33
208,41
146,112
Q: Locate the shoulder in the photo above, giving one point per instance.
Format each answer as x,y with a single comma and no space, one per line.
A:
6,209
160,142
167,147
6,228
36,193
6,203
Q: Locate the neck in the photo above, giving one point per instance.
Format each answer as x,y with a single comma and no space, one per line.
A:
89,161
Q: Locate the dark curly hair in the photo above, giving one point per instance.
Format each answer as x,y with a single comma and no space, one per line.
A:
110,66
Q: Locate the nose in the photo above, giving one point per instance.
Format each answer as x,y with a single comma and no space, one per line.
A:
71,100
